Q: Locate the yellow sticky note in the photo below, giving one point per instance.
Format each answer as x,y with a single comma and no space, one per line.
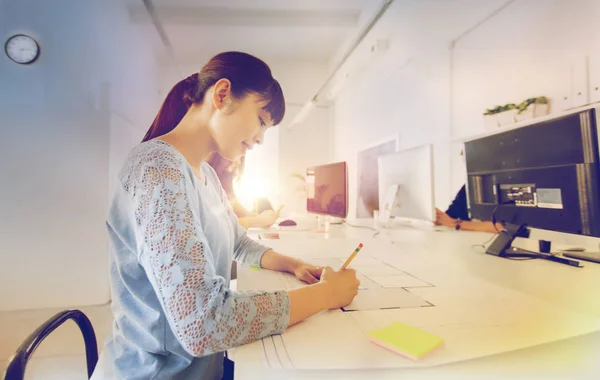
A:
406,340
254,267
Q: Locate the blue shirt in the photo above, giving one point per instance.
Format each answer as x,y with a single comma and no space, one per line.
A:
172,241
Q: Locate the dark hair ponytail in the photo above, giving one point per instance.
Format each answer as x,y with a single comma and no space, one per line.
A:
246,73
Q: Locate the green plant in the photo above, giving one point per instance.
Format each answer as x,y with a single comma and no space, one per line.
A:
498,109
521,107
527,102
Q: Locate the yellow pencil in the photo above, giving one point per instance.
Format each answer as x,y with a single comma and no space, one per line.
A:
352,256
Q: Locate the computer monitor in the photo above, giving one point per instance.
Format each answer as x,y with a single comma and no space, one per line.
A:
367,196
544,175
411,170
327,190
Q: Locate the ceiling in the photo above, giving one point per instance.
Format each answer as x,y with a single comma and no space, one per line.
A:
288,32
307,30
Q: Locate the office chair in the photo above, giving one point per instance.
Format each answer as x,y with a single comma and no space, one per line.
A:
18,362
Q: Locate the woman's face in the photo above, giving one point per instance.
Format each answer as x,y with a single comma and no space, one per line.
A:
237,125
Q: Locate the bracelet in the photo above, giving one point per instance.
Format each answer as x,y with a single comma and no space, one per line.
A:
457,225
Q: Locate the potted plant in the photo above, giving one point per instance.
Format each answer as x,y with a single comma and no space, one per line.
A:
500,115
533,107
510,113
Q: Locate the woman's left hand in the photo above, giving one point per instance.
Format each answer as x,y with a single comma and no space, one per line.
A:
308,273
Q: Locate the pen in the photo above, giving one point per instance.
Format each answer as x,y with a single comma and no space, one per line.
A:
563,260
352,256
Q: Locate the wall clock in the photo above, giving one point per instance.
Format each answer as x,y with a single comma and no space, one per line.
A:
22,49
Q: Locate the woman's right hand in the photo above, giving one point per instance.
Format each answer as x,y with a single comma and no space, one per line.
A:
343,286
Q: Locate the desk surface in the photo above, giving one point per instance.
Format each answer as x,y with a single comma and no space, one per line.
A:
486,308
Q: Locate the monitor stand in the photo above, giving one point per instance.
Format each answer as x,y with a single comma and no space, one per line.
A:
323,222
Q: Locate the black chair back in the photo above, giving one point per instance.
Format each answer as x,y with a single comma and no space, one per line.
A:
18,362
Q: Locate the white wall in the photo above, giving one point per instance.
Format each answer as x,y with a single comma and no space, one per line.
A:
56,156
404,90
305,144
413,102
531,48
449,60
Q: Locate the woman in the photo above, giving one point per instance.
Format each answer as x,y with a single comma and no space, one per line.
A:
457,216
229,171
173,235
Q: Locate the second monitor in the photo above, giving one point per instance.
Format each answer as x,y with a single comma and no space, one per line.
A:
327,190
406,184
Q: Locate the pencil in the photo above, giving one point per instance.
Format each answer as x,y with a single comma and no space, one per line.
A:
352,256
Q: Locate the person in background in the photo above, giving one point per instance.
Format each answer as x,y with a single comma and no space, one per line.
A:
457,216
173,236
228,172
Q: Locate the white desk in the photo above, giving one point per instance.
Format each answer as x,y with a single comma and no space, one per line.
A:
487,308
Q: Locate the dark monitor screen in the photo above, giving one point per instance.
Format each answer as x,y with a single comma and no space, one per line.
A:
545,175
327,190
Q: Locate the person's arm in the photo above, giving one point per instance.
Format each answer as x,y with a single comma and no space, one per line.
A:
245,218
257,221
263,220
278,262
245,249
308,301
282,263
467,225
251,219
204,314
247,222
239,210
472,225
251,252
335,290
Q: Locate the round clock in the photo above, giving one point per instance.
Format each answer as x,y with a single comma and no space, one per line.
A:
22,49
